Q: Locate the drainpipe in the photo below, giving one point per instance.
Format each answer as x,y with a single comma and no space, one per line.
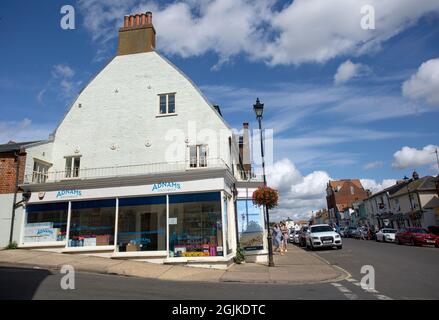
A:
17,169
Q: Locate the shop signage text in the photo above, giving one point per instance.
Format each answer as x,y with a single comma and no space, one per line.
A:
68,193
166,186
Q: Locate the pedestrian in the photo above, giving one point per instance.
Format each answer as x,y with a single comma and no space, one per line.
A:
285,236
276,238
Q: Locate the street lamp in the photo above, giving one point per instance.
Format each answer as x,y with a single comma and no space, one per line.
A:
259,110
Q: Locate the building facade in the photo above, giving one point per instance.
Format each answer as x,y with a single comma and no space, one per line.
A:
340,196
142,166
12,165
414,204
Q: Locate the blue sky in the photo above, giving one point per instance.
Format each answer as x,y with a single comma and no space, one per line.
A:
285,52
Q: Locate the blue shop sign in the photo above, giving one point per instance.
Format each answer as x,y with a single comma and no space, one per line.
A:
166,186
68,193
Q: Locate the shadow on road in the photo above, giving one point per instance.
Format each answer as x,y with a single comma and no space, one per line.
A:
20,283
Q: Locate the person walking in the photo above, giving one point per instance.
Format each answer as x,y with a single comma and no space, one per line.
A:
276,238
285,236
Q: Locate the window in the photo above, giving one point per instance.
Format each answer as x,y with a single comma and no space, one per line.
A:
92,223
39,174
250,225
142,224
46,222
352,190
198,156
167,103
72,167
195,226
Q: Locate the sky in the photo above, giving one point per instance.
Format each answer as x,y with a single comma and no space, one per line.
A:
342,101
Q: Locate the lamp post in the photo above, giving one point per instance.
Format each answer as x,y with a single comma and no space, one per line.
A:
259,110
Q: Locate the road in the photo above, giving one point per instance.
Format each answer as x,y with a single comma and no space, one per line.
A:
402,272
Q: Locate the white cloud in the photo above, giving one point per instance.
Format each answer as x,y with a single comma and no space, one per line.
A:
302,31
409,157
373,165
348,70
23,130
424,84
299,194
374,186
62,71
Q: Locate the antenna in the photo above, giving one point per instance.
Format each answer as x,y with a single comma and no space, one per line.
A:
437,157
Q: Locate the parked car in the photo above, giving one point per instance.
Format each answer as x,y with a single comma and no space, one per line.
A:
291,236
350,231
341,231
356,233
416,236
322,235
302,236
385,235
434,230
296,236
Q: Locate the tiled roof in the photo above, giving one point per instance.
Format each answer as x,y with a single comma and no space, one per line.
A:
14,146
421,184
335,183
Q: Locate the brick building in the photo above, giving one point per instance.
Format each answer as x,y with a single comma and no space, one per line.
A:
341,195
12,159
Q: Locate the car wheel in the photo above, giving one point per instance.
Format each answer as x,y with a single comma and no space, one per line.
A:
384,239
412,242
339,247
398,241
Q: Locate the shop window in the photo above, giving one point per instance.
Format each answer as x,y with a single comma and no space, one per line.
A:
198,156
195,226
46,222
142,224
40,172
167,103
73,165
250,225
92,223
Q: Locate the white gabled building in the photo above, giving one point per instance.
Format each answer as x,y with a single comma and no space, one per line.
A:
142,166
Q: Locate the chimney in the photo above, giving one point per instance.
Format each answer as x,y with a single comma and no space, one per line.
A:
245,151
137,34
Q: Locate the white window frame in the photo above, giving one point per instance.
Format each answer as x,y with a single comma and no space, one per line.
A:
70,174
40,171
199,161
167,103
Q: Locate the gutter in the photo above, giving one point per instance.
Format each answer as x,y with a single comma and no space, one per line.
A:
17,173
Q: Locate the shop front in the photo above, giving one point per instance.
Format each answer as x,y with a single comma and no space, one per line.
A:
169,220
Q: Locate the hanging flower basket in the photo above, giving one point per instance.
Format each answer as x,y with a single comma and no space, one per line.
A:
266,196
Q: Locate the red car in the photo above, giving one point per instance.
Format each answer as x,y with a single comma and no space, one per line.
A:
416,236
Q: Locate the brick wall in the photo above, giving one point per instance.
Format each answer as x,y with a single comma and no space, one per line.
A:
8,167
345,197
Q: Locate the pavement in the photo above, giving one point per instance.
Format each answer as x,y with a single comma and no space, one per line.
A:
296,267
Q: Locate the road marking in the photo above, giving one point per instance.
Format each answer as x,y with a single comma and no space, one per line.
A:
372,291
346,292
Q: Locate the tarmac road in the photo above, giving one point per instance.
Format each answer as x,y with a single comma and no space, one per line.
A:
401,271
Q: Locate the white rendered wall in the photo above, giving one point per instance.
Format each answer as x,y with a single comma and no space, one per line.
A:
120,107
5,219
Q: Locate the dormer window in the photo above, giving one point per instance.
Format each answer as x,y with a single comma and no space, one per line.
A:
167,103
40,171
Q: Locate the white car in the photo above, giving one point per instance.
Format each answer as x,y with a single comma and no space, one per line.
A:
386,235
321,236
